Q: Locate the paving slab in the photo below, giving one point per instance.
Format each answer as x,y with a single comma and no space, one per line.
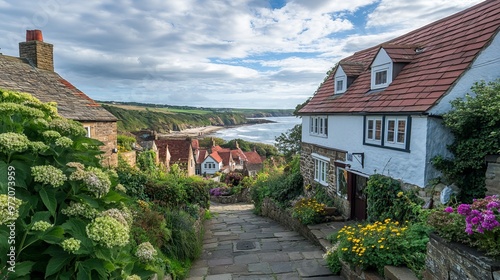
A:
239,245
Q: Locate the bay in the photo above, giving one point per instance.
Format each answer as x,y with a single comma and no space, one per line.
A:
260,133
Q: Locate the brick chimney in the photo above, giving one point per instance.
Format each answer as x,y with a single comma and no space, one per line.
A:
39,53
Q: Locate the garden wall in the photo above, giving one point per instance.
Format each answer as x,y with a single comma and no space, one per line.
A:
455,261
243,196
493,175
129,157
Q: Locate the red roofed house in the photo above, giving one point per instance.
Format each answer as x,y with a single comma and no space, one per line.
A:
379,111
177,151
253,164
33,72
211,164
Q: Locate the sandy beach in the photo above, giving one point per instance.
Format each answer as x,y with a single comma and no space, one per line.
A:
193,132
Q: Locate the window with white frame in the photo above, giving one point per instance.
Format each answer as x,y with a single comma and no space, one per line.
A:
388,131
321,167
382,69
318,126
373,130
341,175
396,131
340,84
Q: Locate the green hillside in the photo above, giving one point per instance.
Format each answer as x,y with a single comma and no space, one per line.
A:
135,117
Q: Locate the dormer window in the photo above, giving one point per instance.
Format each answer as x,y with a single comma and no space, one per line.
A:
381,77
340,81
389,61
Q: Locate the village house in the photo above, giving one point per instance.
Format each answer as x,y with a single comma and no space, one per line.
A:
380,110
33,72
177,151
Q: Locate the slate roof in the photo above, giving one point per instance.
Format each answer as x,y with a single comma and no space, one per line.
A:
442,51
18,75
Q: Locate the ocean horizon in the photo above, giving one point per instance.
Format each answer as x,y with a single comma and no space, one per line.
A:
260,133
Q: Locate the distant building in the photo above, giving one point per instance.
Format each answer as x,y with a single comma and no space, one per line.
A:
33,72
380,110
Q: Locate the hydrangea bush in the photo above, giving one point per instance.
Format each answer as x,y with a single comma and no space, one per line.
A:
70,221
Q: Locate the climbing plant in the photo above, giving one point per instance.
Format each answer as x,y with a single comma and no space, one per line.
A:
475,124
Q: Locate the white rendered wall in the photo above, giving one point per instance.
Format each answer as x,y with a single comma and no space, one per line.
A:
345,132
209,170
485,67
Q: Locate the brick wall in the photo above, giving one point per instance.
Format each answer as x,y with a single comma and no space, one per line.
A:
493,175
307,170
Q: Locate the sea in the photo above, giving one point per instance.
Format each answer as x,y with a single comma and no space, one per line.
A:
260,133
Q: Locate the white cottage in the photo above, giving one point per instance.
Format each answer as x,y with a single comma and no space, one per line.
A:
379,111
211,164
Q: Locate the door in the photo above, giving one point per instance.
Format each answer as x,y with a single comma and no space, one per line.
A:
358,197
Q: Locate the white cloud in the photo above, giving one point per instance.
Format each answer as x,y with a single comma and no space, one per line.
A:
231,53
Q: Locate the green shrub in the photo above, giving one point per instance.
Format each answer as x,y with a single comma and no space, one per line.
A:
125,143
322,196
332,258
132,179
185,243
386,200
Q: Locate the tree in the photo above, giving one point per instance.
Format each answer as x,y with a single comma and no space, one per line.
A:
475,123
289,143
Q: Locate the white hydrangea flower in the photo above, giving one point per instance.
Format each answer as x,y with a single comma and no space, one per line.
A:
146,252
117,215
41,226
67,127
49,175
9,108
80,209
133,277
71,245
120,188
64,142
108,232
9,214
76,165
12,142
38,146
51,135
97,181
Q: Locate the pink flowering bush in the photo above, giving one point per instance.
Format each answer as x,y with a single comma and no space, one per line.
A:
482,223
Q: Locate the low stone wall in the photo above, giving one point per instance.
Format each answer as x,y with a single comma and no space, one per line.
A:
243,196
129,157
357,274
456,261
284,217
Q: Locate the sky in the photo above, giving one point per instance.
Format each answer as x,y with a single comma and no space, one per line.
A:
210,53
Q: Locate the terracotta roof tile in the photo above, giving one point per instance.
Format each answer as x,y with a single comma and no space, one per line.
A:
448,48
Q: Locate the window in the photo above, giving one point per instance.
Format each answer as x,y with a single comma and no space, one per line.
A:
340,86
321,167
319,126
341,182
381,77
387,131
87,130
374,130
396,131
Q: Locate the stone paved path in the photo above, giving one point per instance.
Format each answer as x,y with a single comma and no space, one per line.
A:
241,245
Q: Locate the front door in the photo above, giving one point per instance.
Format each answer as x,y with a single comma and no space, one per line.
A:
358,197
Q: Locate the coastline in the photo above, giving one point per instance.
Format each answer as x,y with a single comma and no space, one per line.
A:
193,132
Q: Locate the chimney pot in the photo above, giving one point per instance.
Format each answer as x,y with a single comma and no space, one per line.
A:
34,35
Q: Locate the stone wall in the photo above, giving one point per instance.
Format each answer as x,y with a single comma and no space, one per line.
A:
307,171
456,261
129,157
39,53
106,132
493,175
243,196
284,217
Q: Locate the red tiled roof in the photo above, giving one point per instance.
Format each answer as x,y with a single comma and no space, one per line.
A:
446,48
179,149
238,154
352,68
216,157
220,149
226,157
253,157
201,156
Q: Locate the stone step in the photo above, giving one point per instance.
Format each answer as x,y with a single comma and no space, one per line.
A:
398,273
